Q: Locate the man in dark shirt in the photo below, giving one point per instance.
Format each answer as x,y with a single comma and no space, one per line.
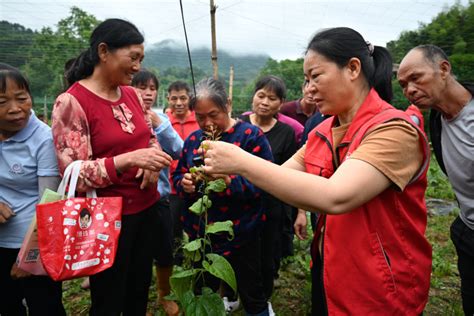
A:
300,109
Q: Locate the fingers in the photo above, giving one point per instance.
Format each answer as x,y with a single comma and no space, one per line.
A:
139,173
300,231
17,273
300,225
145,181
188,183
150,178
152,159
5,213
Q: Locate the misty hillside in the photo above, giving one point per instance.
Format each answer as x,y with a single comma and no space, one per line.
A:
169,53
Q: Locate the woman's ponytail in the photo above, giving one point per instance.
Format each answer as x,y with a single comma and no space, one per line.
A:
382,77
82,67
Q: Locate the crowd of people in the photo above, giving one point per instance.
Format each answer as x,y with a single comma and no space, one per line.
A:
341,152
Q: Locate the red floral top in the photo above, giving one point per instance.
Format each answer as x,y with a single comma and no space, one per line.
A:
90,128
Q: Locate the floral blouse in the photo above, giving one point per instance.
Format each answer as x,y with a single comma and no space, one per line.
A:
72,133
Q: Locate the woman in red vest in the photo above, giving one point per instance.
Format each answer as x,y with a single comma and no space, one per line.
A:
364,170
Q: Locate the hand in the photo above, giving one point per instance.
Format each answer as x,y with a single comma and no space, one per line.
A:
5,213
150,178
189,183
151,158
155,118
300,225
17,273
221,157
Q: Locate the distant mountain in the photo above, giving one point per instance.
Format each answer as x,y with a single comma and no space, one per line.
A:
15,41
170,53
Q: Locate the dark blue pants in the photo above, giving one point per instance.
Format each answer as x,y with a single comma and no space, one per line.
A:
246,263
163,239
463,239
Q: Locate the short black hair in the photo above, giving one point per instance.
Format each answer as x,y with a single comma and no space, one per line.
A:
84,212
12,73
143,76
179,85
272,83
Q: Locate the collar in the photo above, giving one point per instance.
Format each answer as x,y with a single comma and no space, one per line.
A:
299,109
27,131
371,106
189,118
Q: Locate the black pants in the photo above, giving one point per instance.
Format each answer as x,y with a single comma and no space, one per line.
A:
163,235
43,295
463,239
288,232
271,243
177,205
246,264
318,299
123,288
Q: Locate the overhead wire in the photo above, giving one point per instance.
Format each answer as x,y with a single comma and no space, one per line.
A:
187,46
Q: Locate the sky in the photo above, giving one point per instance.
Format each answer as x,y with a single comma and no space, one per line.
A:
280,29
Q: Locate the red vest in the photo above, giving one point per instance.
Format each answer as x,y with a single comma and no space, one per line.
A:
376,259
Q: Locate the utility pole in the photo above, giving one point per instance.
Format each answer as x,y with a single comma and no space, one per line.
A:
45,110
213,33
231,82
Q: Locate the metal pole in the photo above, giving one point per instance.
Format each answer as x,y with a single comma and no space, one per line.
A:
231,82
213,33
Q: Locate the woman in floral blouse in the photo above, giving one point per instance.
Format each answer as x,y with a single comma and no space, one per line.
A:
101,120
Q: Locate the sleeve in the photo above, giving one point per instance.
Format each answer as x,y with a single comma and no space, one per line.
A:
299,155
72,142
393,148
259,146
169,140
182,167
46,158
153,140
44,183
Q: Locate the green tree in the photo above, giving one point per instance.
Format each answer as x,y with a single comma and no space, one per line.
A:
463,66
452,30
51,49
291,71
15,40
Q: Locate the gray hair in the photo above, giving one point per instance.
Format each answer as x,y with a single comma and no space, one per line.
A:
432,53
210,88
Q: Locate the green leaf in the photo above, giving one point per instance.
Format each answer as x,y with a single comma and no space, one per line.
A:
216,186
192,249
192,256
194,245
195,169
221,268
218,227
207,304
201,205
188,299
182,281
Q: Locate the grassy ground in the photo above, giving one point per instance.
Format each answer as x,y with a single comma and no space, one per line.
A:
292,292
292,295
